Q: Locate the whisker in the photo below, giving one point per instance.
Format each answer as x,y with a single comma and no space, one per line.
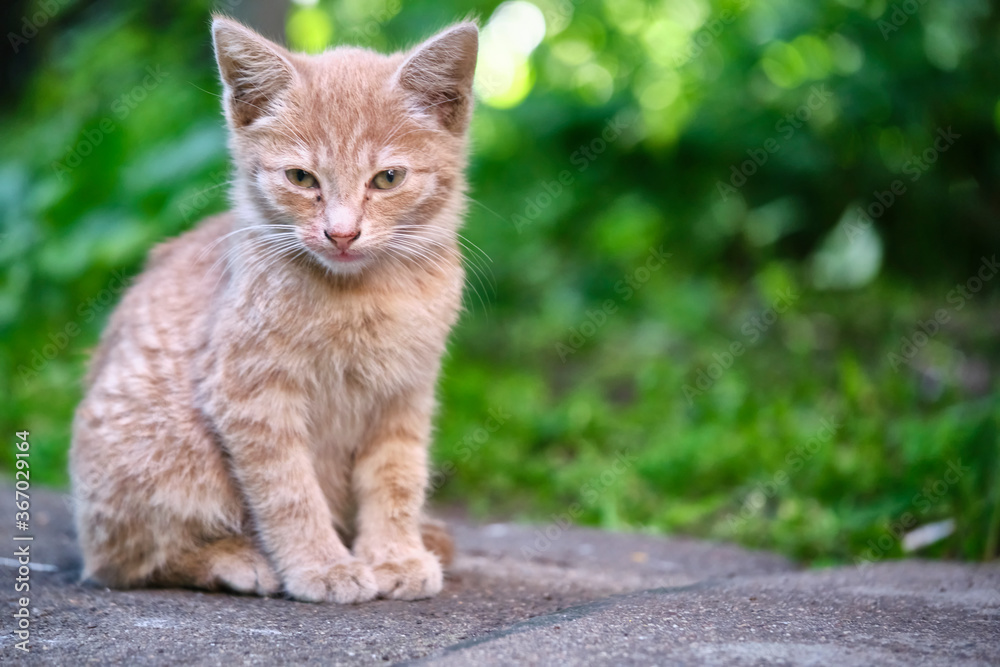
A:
222,238
281,239
476,201
476,261
260,263
477,258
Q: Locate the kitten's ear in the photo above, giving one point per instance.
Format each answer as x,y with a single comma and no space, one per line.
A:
255,71
438,75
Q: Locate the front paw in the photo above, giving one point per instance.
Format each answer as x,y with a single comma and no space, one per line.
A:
413,576
343,582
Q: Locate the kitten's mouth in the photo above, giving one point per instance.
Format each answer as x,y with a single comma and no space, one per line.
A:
350,259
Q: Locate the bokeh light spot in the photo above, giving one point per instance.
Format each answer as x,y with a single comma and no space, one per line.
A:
847,56
309,29
660,93
783,65
594,83
504,75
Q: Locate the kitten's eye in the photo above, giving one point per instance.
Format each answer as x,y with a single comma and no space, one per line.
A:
301,178
388,179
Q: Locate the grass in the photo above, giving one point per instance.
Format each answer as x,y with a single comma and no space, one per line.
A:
814,441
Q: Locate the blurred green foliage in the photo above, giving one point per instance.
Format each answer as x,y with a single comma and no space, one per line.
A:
652,182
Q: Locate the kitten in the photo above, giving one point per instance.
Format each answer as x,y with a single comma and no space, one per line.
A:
258,413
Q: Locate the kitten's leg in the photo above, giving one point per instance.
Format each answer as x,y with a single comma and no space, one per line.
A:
232,563
145,496
263,427
389,479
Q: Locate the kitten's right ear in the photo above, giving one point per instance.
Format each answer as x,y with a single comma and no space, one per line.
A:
255,71
438,75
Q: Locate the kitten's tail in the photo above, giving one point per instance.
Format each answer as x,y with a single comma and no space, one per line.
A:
438,540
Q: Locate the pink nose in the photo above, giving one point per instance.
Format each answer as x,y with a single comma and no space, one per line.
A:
342,241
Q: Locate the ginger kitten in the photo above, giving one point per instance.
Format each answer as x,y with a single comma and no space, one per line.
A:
258,414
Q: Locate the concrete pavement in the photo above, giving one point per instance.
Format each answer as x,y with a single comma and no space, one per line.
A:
532,595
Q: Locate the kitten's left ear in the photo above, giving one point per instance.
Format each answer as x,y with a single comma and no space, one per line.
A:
438,75
255,71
